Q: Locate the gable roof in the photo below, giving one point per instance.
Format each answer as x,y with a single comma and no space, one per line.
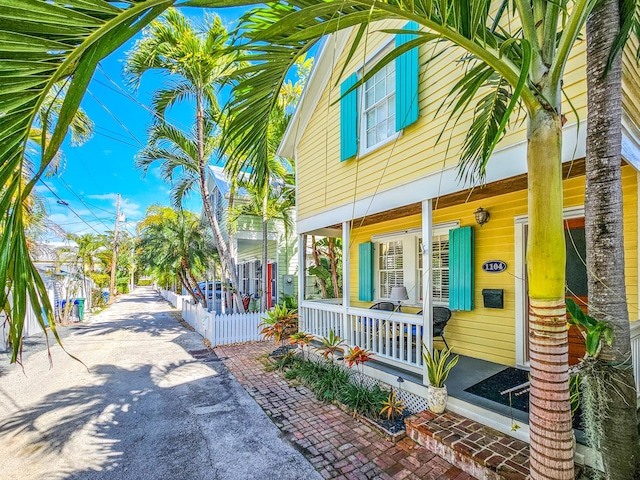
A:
330,52
221,180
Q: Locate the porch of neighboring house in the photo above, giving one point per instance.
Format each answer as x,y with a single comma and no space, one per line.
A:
488,325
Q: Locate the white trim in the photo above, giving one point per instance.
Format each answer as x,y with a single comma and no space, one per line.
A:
427,282
320,75
521,304
505,163
630,141
361,70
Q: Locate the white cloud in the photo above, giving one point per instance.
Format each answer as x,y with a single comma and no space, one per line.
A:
130,209
44,189
104,196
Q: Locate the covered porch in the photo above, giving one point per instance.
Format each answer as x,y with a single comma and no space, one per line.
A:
491,337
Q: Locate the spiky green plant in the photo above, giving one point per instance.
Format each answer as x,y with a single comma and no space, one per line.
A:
438,365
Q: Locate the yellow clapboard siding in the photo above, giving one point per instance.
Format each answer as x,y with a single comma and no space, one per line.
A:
490,333
416,153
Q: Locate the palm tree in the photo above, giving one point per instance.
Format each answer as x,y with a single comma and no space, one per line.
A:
198,64
43,44
266,169
618,441
269,202
512,65
172,241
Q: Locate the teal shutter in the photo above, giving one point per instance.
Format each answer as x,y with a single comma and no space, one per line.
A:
406,81
461,268
365,272
348,119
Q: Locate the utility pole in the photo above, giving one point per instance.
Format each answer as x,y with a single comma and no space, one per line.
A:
112,287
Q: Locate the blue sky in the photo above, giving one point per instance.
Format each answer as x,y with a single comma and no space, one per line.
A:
96,172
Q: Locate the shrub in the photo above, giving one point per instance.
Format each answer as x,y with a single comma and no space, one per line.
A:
367,401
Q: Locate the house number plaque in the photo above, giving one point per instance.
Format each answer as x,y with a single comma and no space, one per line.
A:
494,266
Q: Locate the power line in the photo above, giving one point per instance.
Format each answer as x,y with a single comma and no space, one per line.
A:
68,187
62,202
126,94
124,127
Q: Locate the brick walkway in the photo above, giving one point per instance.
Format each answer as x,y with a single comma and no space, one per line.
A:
337,445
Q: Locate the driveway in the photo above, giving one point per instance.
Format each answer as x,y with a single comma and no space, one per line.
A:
148,403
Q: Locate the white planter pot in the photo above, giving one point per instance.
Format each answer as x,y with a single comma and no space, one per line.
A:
437,399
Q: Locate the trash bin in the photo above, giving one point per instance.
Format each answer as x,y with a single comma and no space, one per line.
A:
80,303
105,295
75,310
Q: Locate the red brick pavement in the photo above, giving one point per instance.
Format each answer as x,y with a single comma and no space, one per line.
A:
336,444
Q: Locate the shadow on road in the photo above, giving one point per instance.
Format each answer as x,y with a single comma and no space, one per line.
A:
112,428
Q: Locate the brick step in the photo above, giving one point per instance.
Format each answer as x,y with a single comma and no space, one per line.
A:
474,448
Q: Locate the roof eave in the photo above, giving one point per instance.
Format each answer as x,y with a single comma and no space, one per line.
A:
318,80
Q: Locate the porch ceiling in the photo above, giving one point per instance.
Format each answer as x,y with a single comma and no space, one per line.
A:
508,185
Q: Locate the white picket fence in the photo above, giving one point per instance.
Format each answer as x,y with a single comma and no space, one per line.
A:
173,298
218,329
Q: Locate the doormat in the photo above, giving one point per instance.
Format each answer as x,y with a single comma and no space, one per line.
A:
491,387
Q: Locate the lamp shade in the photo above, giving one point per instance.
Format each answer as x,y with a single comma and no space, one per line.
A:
398,294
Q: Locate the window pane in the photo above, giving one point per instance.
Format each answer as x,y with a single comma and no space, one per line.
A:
379,106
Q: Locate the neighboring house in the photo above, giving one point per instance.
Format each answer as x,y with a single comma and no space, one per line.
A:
371,171
282,252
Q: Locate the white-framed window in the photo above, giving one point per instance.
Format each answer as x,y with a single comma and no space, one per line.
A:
378,105
399,261
390,266
440,268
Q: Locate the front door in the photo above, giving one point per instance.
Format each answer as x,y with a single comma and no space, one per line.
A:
576,279
576,285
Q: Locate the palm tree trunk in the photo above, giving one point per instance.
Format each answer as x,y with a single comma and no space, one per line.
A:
334,267
551,431
186,285
265,246
225,256
316,261
605,243
194,282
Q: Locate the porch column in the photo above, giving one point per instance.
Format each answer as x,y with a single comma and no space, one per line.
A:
427,280
302,250
346,281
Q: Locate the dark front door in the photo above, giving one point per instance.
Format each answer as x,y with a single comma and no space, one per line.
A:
576,280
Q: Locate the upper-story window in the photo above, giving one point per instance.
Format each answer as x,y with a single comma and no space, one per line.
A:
376,112
379,107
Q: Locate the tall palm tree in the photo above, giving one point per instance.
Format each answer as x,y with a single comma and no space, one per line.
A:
42,45
516,57
269,175
269,202
198,63
604,235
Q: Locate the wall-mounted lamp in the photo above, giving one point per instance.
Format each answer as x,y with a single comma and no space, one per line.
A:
482,216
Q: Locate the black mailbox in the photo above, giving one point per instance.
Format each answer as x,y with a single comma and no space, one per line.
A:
493,298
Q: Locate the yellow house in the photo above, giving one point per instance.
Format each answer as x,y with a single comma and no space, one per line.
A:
378,168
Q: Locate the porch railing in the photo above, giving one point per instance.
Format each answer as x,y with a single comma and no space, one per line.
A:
393,337
319,319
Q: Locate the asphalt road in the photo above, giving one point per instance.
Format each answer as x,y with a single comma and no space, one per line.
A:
142,408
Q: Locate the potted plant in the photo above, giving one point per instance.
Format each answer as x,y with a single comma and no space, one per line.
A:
438,367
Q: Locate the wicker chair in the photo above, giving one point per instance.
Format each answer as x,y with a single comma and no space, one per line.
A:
441,316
